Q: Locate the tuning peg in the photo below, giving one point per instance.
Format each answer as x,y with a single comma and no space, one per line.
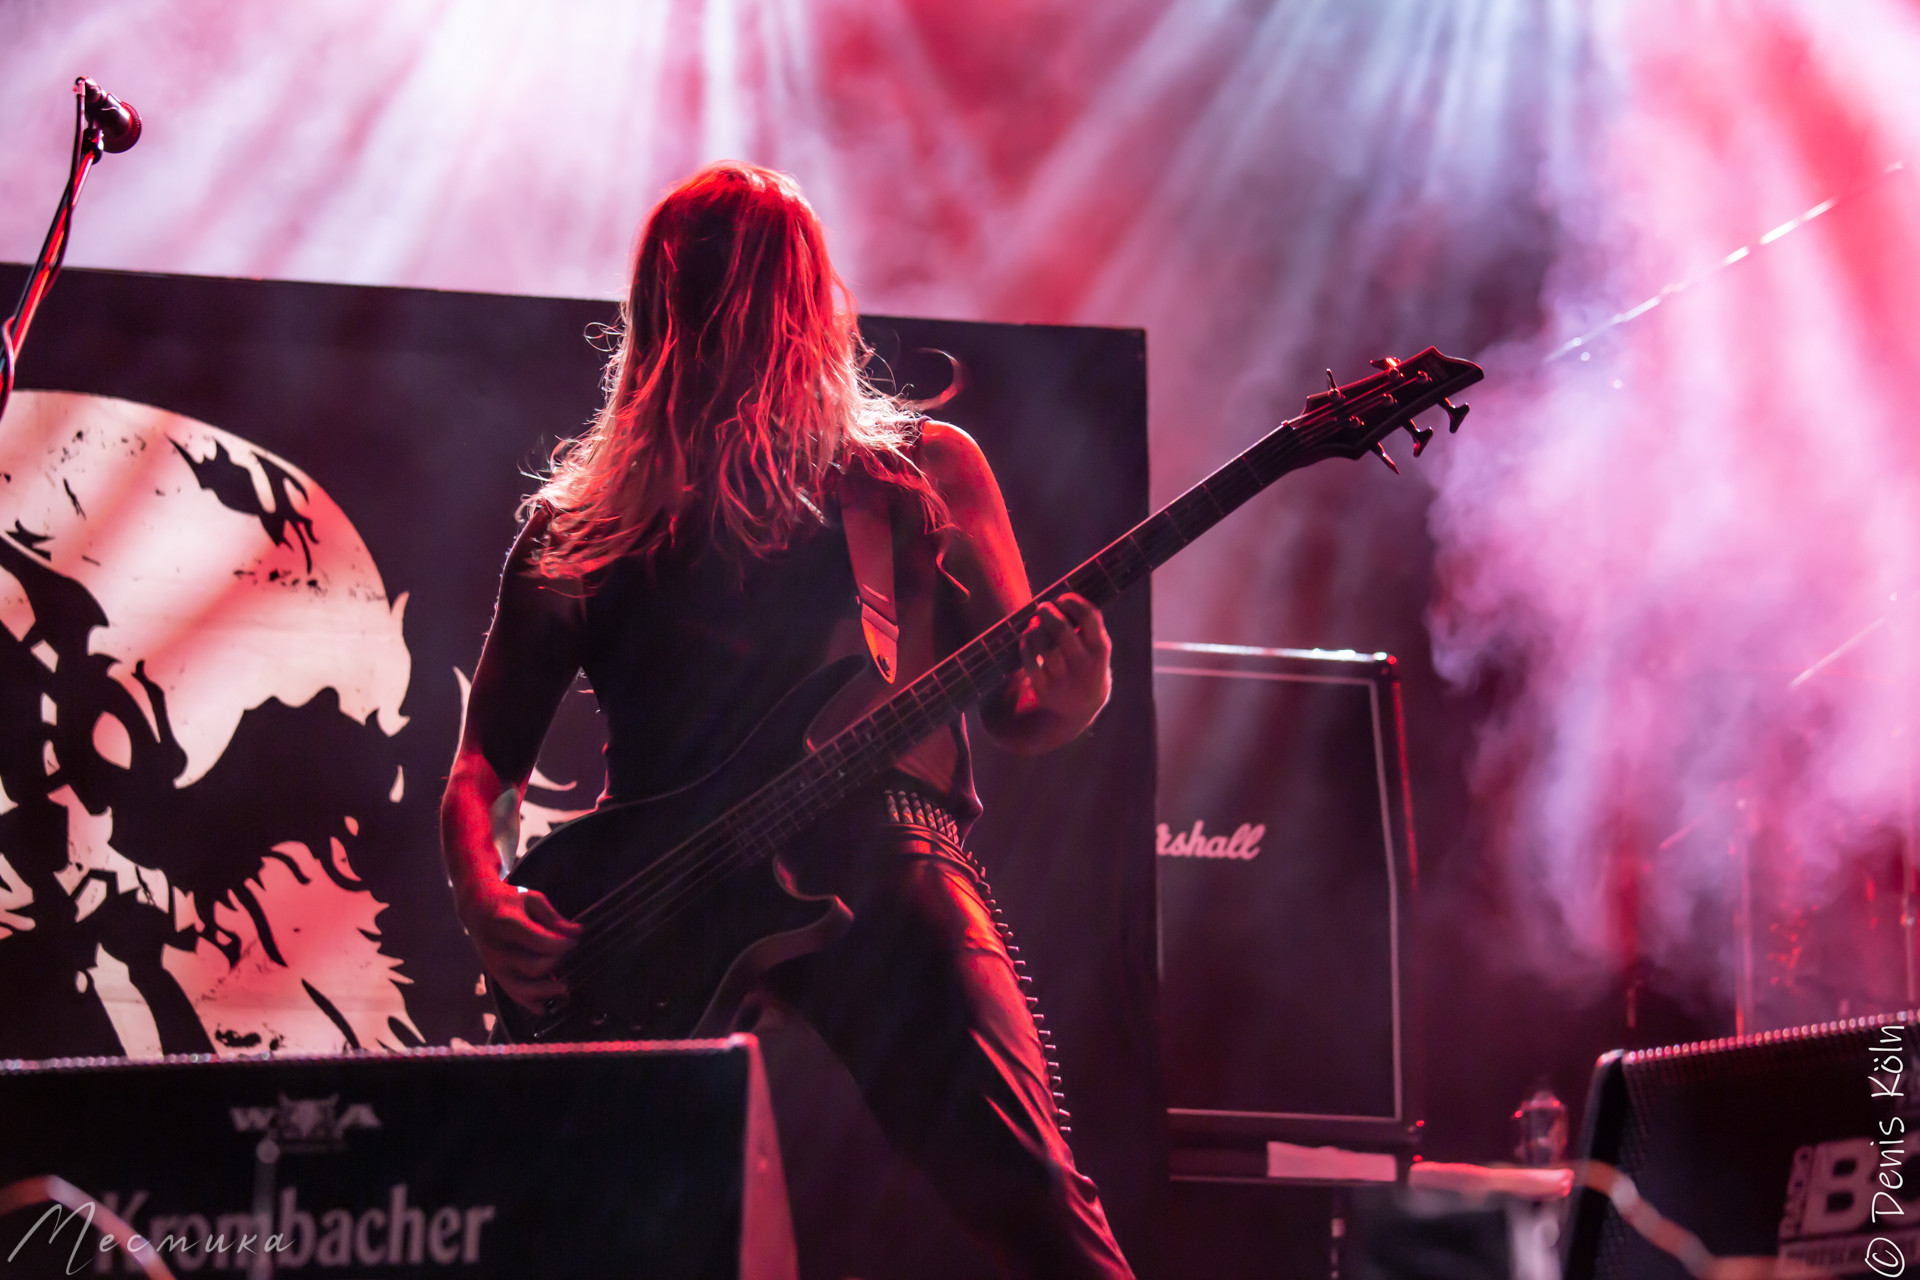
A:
1385,363
1455,412
1422,436
1333,388
1381,449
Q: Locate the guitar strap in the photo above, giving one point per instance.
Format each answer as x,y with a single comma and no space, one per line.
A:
867,518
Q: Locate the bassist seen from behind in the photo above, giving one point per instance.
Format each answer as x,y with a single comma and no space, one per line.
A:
691,552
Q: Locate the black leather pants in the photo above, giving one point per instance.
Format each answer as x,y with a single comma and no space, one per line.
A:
923,1003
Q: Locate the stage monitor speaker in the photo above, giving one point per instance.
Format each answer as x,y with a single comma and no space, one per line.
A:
1797,1150
1285,875
603,1160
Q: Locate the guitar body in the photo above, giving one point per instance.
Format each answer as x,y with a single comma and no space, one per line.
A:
687,977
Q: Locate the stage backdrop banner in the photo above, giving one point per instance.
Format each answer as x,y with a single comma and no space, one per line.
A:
250,533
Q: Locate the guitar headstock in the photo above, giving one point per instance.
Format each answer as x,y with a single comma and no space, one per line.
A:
1352,420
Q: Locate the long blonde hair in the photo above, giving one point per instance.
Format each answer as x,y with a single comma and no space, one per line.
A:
735,398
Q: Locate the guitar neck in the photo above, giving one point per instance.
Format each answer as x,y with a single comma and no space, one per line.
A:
1342,421
864,750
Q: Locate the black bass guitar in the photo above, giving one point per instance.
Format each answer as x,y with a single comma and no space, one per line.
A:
679,896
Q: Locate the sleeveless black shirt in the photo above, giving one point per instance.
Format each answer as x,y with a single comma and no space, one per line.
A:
686,651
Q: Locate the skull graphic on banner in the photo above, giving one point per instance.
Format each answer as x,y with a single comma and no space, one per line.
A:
200,682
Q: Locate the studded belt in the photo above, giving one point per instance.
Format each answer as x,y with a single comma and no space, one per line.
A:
911,809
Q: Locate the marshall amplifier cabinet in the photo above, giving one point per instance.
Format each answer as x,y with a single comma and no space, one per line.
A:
602,1160
1285,875
1791,1153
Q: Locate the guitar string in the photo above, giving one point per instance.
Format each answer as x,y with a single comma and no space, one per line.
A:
763,818
716,851
656,893
786,820
840,752
688,884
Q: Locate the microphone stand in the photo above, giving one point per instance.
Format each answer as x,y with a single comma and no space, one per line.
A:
89,144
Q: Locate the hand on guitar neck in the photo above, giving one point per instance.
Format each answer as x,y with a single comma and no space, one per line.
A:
1065,677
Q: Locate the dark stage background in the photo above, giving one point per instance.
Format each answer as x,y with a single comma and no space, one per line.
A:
418,414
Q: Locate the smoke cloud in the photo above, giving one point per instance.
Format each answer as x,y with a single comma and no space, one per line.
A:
1691,546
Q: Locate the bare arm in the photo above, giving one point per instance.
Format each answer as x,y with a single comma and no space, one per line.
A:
1065,675
525,668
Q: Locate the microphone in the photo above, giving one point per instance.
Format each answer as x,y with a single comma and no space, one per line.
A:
117,121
